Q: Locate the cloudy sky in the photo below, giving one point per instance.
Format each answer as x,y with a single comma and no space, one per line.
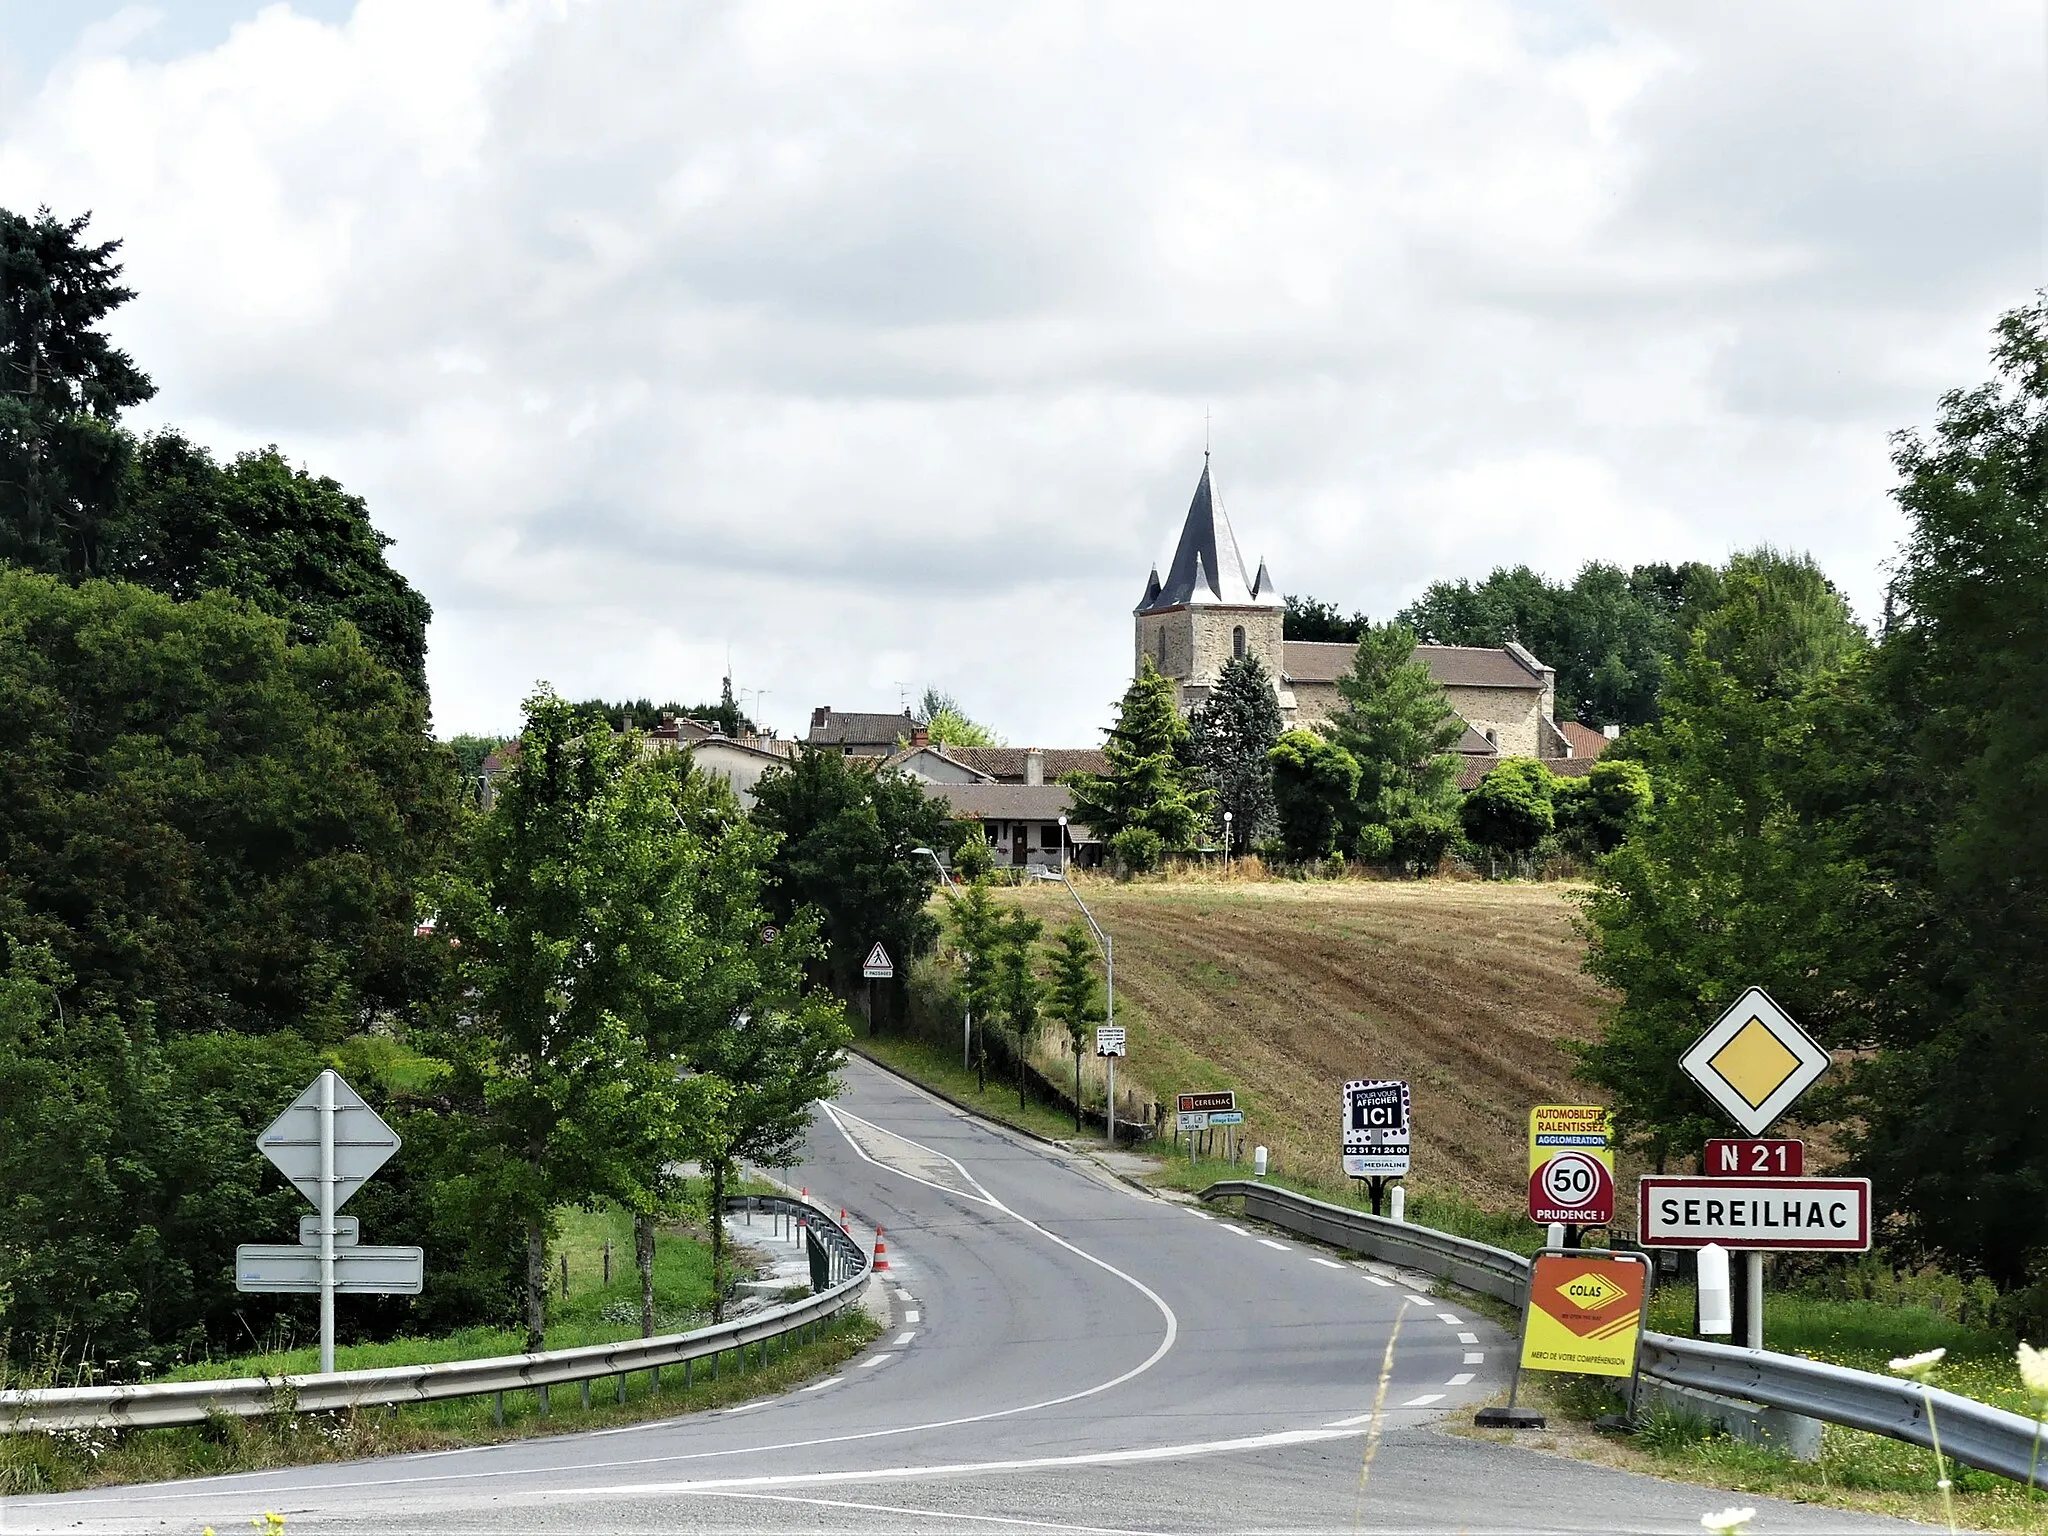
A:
871,344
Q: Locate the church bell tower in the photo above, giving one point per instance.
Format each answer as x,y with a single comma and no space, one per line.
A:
1208,611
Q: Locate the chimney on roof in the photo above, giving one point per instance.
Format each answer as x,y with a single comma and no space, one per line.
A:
1611,732
1034,766
920,736
821,717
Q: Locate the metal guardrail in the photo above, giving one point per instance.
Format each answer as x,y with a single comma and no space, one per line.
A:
1973,1433
193,1402
1475,1266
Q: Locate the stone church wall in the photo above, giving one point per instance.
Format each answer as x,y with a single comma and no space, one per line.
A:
1510,713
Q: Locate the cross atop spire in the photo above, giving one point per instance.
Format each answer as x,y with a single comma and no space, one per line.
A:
1207,567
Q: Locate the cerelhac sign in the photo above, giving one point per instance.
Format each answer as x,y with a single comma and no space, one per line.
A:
1798,1214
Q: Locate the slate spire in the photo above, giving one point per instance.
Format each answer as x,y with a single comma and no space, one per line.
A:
1207,567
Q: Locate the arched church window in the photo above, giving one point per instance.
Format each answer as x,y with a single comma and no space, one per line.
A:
1237,642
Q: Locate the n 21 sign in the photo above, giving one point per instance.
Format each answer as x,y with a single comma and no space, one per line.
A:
1761,1158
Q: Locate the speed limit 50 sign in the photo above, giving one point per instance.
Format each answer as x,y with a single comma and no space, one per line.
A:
1571,1165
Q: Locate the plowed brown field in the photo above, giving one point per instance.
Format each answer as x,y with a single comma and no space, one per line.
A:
1282,991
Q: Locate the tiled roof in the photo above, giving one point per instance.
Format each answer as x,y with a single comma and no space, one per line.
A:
858,730
951,755
1009,802
1007,763
1453,666
1585,741
1473,769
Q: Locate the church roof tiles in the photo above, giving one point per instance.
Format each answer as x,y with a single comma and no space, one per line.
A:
1207,568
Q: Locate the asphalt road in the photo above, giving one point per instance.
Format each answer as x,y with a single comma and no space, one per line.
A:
1065,1354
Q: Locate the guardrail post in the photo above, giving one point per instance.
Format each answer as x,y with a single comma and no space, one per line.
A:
585,1384
543,1399
498,1409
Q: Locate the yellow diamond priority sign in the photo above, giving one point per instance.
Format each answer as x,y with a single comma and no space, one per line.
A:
1755,1062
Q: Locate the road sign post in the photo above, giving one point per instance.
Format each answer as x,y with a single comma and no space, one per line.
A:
1376,1133
1571,1167
1755,1062
1109,1044
328,1142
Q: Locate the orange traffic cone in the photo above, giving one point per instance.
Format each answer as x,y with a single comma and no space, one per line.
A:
881,1252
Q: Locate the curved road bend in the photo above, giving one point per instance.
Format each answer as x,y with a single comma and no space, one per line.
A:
1066,1354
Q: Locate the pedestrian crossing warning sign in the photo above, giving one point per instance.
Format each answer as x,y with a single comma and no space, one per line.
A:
1585,1313
878,966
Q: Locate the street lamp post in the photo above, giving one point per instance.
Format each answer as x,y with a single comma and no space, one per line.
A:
1226,842
967,1018
1109,969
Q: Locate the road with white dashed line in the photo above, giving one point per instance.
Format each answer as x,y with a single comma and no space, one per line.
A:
1063,1353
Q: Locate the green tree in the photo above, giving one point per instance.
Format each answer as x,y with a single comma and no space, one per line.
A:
567,887
1018,987
1315,787
758,1074
1596,812
1612,637
1947,1109
1741,877
207,820
846,832
1396,725
1511,809
1074,1001
287,542
64,460
975,923
1309,618
1150,788
948,725
1231,733
1779,622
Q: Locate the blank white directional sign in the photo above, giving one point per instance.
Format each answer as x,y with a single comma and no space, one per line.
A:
363,1143
360,1270
1755,1062
347,1231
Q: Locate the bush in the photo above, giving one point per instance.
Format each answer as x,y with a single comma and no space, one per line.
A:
1511,810
1375,843
974,861
1315,785
1137,850
1596,813
1419,841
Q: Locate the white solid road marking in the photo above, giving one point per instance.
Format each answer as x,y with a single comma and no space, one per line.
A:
819,1386
1459,1380
1452,1318
904,1338
1269,1243
1376,1280
1326,1263
949,1514
869,1365
1475,1357
1468,1338
911,1316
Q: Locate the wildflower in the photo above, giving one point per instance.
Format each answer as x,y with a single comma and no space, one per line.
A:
1919,1367
2034,1371
1728,1522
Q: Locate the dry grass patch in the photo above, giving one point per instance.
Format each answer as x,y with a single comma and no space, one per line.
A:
1283,990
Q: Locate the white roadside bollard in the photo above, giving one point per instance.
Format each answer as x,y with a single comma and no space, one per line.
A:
1553,1235
1258,1162
1397,1203
1717,1302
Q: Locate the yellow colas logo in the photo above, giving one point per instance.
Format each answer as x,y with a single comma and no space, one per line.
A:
1591,1291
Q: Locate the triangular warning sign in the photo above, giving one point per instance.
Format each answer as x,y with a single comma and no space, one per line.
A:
878,965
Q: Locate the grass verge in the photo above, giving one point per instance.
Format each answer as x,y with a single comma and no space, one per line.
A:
938,1069
1854,1470
59,1462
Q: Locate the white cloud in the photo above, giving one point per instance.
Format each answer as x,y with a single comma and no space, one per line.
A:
875,341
